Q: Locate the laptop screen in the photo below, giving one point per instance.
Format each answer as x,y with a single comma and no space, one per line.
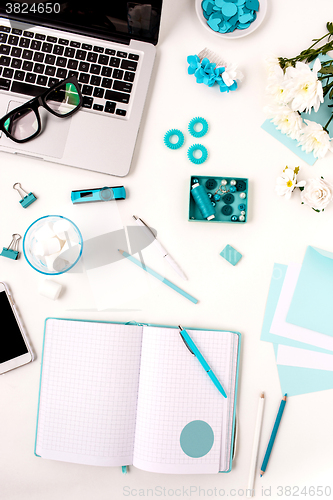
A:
117,20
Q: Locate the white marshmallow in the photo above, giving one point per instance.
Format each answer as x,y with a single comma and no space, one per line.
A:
49,259
50,289
50,246
60,226
60,264
45,232
68,255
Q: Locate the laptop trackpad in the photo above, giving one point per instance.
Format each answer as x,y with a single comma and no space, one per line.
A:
50,142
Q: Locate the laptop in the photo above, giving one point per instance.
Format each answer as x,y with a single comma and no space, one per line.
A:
109,47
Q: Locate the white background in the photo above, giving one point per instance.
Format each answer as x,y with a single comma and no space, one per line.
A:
230,297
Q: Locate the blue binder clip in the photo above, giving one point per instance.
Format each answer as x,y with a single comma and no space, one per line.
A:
27,198
12,251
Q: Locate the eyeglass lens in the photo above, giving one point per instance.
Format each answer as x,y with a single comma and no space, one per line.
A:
64,99
22,124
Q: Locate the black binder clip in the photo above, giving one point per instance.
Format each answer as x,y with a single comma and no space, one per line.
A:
12,251
27,198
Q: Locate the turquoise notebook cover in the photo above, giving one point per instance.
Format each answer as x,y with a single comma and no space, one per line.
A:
233,436
313,297
293,380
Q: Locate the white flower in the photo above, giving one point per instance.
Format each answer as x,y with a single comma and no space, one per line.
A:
271,62
277,85
314,138
303,86
317,194
286,120
287,182
230,74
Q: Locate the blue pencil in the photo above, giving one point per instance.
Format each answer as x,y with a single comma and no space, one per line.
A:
273,435
158,276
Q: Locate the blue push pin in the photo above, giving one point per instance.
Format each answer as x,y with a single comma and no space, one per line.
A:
12,251
27,198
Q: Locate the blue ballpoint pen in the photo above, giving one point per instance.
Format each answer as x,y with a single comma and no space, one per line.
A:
195,351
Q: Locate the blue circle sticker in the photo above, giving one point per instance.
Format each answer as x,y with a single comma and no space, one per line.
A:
197,438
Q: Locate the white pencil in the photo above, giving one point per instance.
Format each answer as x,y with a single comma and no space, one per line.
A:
255,448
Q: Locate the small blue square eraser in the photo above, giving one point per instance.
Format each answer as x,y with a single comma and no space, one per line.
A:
231,255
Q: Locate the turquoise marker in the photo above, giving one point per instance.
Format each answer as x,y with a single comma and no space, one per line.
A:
194,350
158,276
273,435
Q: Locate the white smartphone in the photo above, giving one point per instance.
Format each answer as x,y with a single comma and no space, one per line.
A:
15,350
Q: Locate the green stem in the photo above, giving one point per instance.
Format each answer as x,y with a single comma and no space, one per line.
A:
327,88
310,52
327,124
319,39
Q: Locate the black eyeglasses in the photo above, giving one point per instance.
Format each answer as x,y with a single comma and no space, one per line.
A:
62,99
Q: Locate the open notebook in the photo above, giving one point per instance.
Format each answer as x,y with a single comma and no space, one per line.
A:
119,394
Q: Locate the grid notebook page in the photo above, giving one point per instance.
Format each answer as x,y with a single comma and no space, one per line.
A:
88,394
175,393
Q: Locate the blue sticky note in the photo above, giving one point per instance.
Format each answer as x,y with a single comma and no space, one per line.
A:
231,255
293,380
313,297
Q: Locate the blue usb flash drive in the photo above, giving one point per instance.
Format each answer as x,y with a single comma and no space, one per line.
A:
98,194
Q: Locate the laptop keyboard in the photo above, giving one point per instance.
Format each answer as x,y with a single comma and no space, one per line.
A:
31,62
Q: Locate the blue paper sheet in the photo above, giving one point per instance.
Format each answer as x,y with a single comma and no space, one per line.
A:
313,297
291,144
293,380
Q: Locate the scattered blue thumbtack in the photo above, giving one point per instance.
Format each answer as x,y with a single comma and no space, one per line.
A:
231,255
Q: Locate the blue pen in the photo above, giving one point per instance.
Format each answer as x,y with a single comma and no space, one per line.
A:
195,351
273,435
158,276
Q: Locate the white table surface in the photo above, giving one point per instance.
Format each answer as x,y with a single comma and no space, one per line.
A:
229,297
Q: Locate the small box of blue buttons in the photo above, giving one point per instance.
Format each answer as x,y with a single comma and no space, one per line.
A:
218,199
